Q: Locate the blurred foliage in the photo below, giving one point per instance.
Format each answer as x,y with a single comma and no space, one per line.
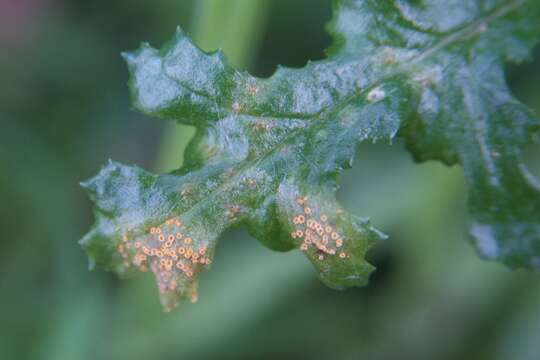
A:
64,109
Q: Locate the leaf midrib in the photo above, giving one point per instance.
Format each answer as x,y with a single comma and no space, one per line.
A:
455,36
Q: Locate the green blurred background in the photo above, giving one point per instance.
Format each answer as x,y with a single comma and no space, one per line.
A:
65,109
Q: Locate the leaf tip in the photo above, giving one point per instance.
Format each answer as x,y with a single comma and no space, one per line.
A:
85,184
128,56
179,32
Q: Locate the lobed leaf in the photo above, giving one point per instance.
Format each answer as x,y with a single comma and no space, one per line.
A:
268,151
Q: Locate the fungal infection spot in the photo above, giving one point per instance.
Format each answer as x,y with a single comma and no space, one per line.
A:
230,173
317,236
482,27
169,259
376,94
252,183
388,56
253,89
260,126
194,296
232,211
236,107
186,191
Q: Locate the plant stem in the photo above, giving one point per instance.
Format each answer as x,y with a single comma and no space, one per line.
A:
235,26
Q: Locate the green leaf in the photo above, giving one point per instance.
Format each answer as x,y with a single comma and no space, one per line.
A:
267,151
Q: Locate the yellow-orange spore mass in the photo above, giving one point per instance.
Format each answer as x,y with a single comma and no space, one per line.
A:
319,237
159,251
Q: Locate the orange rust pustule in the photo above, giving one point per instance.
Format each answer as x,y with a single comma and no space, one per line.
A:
317,233
169,251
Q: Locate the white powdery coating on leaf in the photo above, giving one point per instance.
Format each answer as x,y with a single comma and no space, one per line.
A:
485,240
